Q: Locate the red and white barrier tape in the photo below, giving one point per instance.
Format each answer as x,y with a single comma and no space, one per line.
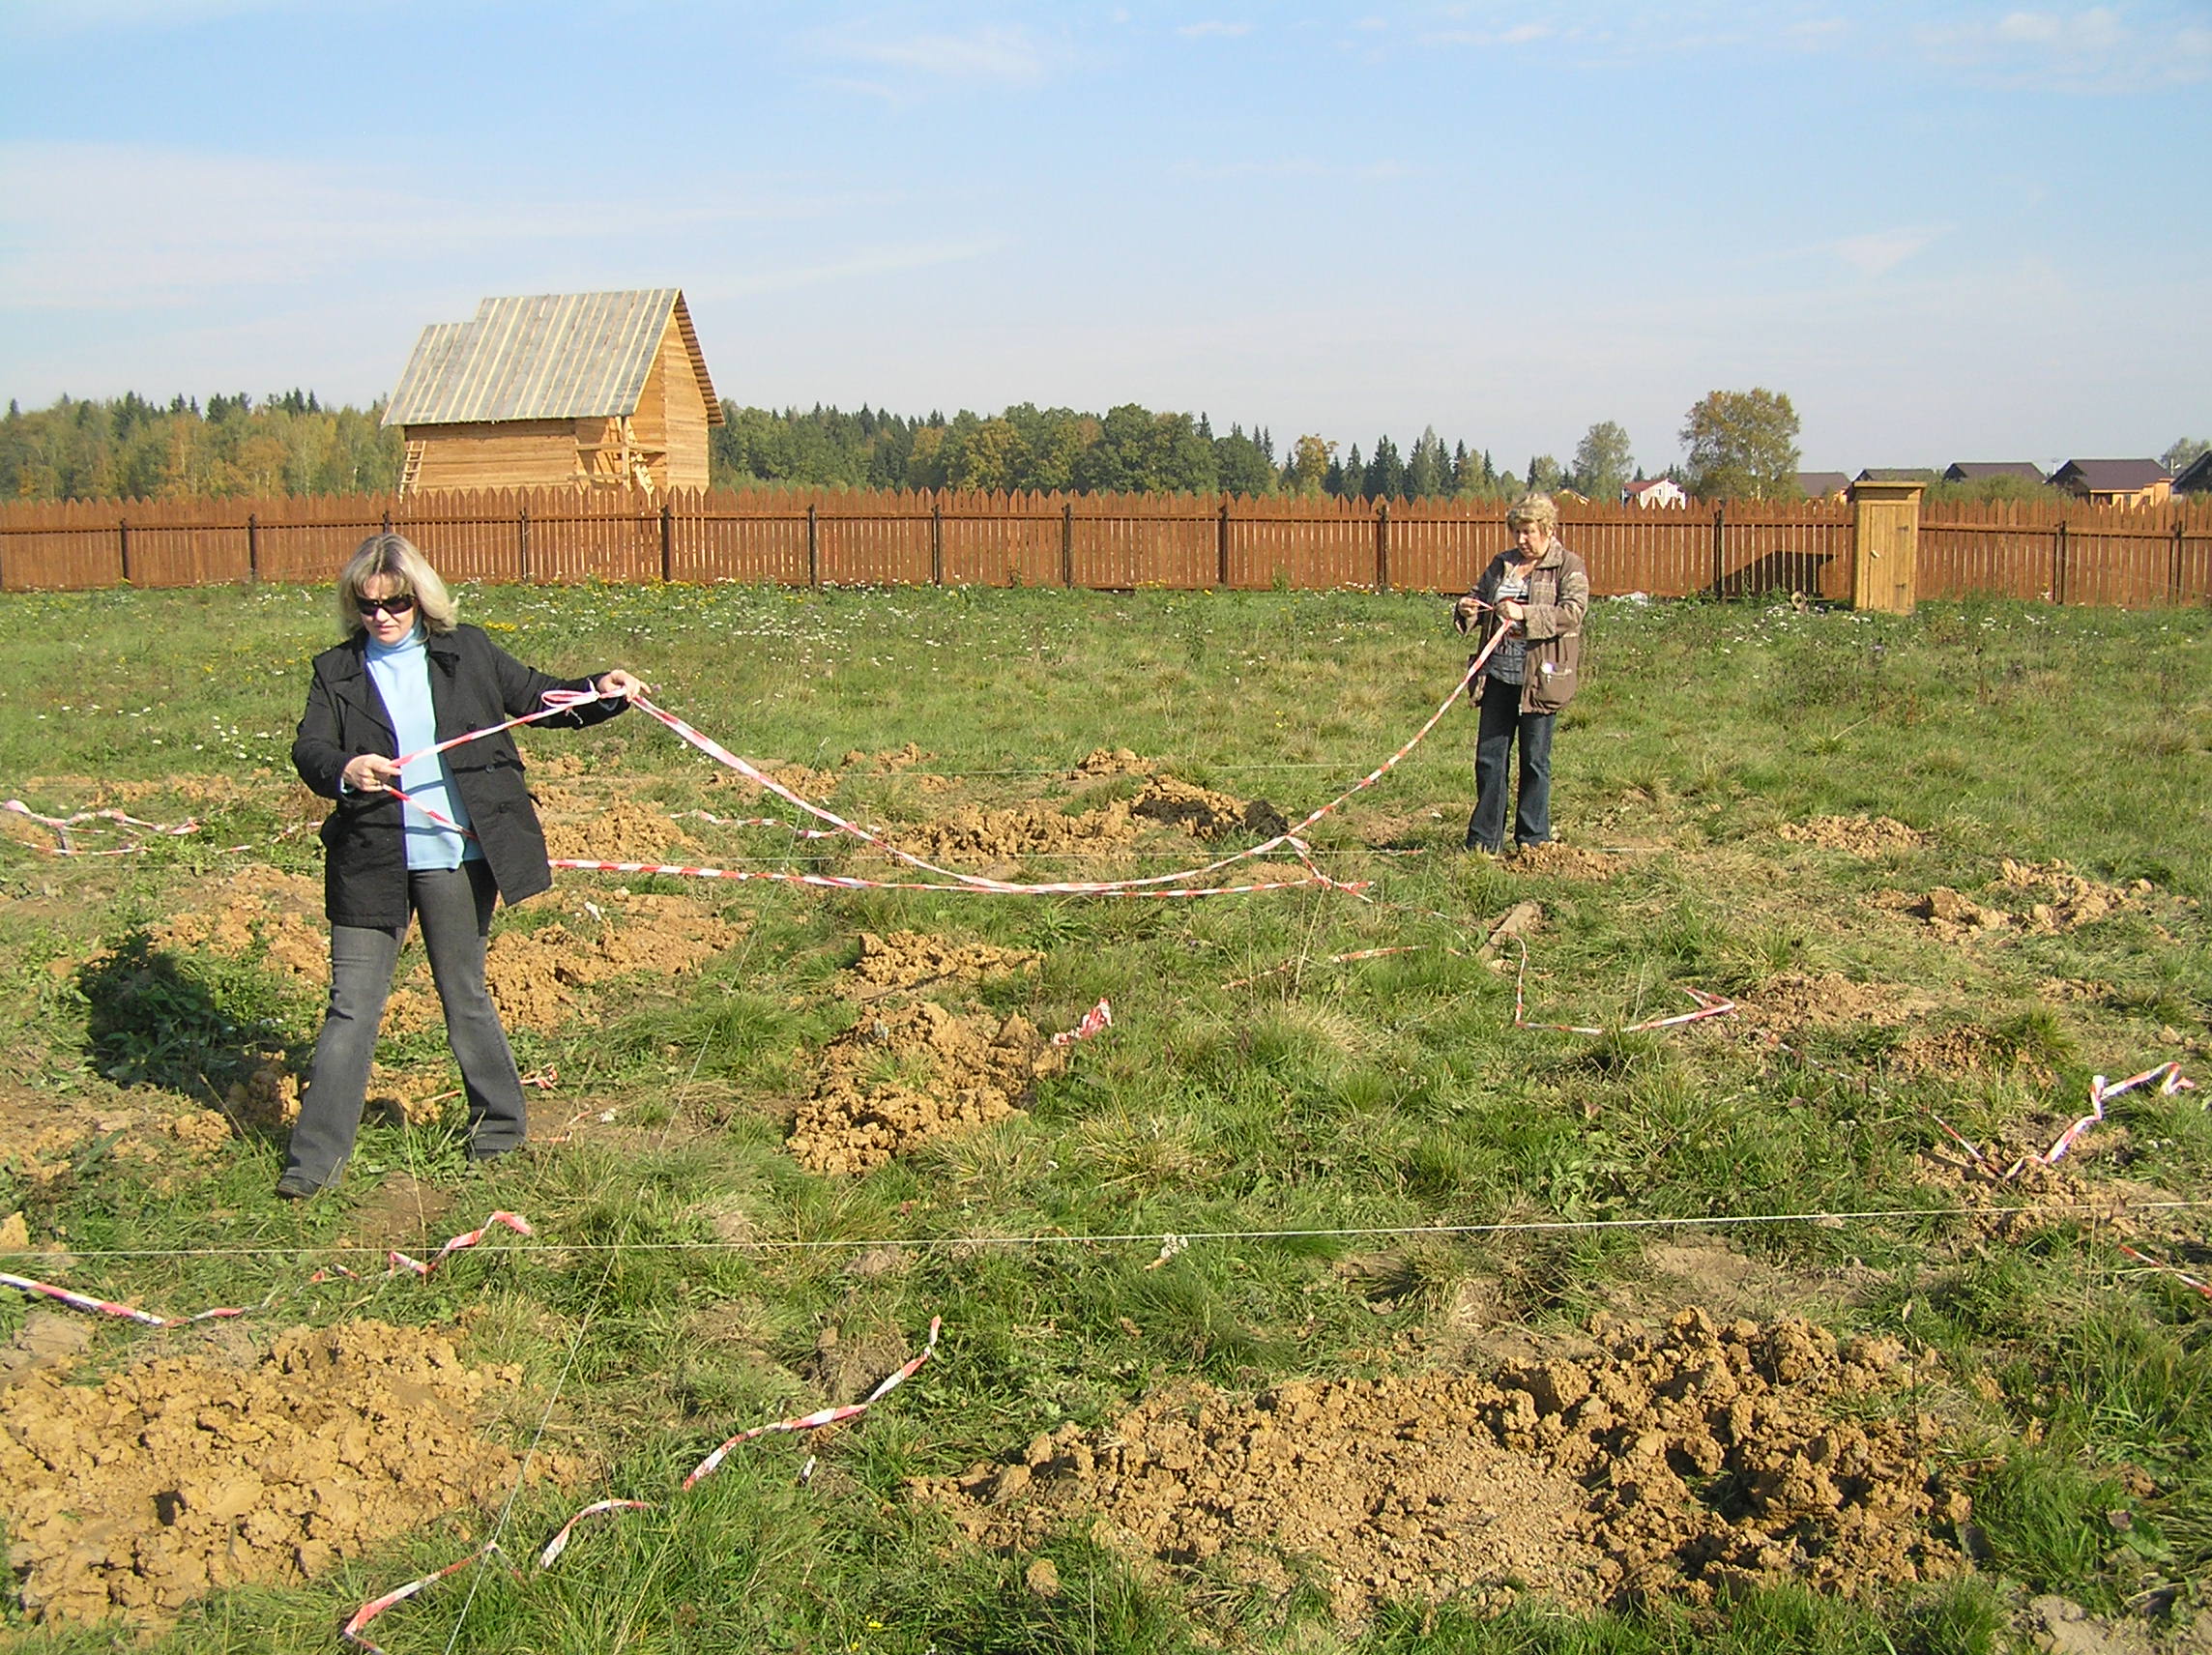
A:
1096,1020
2174,1271
2172,1081
147,1319
1708,1005
822,1416
352,1631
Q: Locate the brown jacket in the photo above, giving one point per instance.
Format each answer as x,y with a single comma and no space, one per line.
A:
1559,595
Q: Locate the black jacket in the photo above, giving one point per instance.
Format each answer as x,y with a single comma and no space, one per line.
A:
474,683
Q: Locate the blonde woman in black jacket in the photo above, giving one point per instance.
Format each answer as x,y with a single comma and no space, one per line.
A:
1539,591
406,678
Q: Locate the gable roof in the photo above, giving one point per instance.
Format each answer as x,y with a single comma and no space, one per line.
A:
1968,471
1644,485
1820,484
554,356
2100,476
1898,474
2197,475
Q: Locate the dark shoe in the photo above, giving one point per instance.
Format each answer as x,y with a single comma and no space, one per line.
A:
291,1187
502,1154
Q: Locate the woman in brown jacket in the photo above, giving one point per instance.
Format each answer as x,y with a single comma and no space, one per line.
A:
1539,591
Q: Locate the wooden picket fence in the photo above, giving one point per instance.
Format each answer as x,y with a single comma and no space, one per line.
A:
825,537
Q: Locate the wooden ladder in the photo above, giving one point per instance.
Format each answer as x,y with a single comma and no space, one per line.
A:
412,468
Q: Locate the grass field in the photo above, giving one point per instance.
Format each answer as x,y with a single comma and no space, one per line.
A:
1949,866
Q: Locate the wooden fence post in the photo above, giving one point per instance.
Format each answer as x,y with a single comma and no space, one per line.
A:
2174,567
1221,547
2058,564
1382,545
814,544
522,540
667,542
387,522
1720,549
936,542
122,547
1068,542
253,548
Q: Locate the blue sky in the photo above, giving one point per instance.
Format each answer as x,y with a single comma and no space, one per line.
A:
1949,231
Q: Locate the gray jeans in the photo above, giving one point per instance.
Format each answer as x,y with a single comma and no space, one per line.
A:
454,906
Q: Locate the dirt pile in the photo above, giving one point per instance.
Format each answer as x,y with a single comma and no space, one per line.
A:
971,834
1666,1465
608,830
902,1076
186,1473
1564,862
1861,835
889,763
258,908
535,975
908,959
2067,899
1114,760
44,1132
1204,813
1797,999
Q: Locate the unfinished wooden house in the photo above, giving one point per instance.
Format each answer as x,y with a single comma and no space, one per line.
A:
603,390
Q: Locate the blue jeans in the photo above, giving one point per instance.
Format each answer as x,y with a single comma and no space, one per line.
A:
1502,721
454,907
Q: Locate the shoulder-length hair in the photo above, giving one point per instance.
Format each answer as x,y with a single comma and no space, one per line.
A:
397,556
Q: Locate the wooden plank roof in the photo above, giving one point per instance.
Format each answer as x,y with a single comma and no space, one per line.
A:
553,356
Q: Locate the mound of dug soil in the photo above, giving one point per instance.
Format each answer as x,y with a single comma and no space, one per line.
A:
2069,900
898,1079
1564,862
1795,1000
1861,835
1674,1465
1115,761
534,975
43,1132
906,959
971,834
1203,813
257,907
186,1473
608,830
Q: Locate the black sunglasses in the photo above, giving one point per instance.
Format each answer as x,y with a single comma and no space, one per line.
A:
396,606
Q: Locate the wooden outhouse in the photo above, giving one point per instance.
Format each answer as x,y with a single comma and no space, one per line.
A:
594,389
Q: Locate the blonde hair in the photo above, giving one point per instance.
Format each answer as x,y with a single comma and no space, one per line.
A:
396,556
1535,511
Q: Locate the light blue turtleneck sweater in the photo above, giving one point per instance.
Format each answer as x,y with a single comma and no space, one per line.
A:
401,674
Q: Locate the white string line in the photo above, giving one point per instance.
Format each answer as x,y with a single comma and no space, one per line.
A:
523,1473
1348,1232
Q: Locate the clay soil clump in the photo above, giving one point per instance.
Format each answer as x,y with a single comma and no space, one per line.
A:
258,906
1797,999
535,975
1204,813
908,959
1671,1465
1564,862
902,1076
183,1474
971,834
610,830
1860,836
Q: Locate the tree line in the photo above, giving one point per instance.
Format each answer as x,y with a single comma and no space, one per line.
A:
1736,445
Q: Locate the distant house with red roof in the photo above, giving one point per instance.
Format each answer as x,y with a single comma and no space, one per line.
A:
1653,491
2116,482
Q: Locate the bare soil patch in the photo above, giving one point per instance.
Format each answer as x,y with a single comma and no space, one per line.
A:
908,959
1204,813
1797,999
1564,862
607,830
184,1473
1037,828
1677,1464
1115,761
904,1075
44,1133
258,906
2027,897
1861,835
535,975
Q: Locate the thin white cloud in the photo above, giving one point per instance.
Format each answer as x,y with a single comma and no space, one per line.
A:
1881,251
2096,48
866,262
1213,28
84,16
1521,34
137,227
1008,57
